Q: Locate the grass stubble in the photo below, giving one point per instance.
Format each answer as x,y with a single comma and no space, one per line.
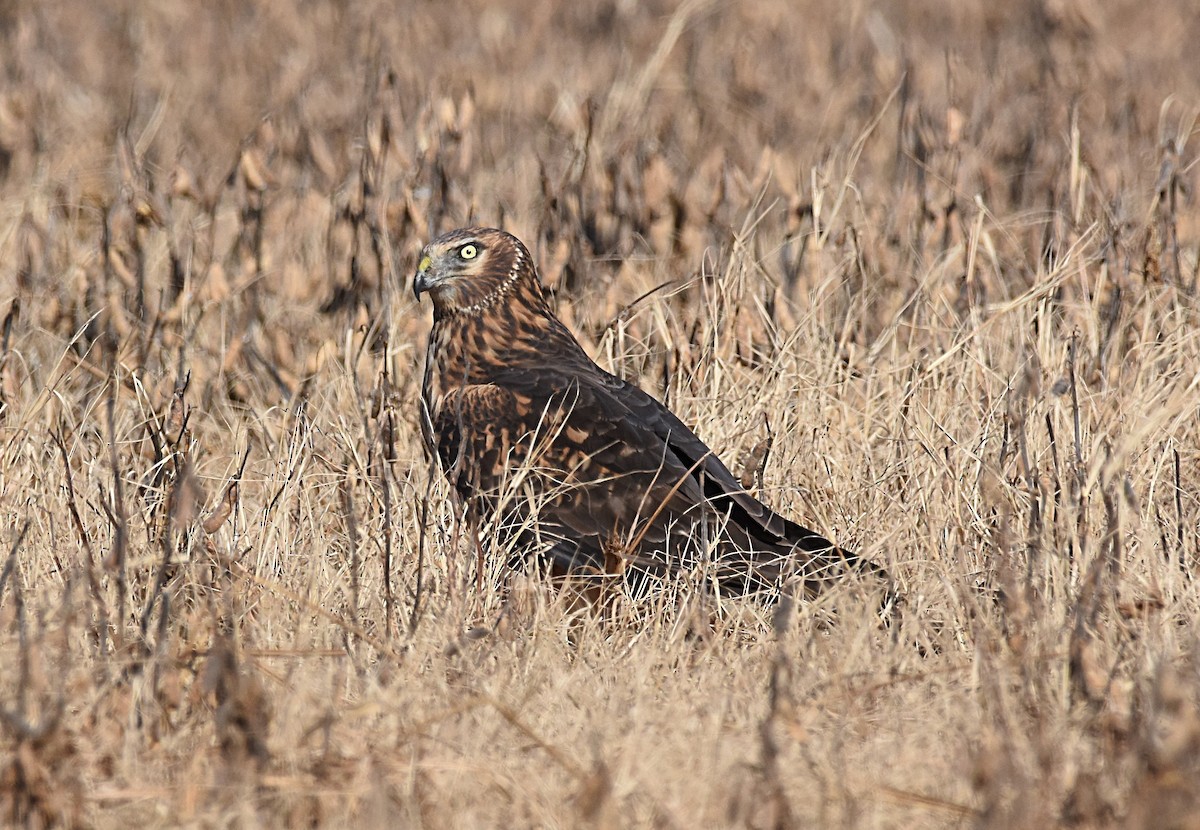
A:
928,276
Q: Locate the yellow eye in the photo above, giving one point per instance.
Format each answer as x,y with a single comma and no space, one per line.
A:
468,251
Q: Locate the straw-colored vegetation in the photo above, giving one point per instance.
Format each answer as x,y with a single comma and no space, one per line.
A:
940,258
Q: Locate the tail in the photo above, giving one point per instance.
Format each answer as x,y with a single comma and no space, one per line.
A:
808,565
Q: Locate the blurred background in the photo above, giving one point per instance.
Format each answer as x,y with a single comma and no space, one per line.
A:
923,272
299,141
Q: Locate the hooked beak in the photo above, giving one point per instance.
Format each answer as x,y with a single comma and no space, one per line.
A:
421,282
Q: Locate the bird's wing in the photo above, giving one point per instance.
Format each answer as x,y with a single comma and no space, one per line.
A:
718,485
560,457
767,548
618,433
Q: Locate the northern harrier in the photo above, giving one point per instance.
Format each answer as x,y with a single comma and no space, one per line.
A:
575,467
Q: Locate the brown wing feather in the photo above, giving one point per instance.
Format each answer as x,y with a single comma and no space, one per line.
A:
560,466
608,465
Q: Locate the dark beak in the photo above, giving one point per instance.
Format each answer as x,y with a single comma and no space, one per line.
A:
421,281
421,284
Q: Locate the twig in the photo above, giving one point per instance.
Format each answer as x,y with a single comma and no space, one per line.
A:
89,552
422,531
389,596
11,563
116,514
347,494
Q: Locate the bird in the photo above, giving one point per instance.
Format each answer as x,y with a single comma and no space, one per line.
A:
572,468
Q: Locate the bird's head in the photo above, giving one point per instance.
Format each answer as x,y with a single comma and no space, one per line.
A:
466,271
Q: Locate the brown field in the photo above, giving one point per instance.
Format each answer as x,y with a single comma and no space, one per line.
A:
943,255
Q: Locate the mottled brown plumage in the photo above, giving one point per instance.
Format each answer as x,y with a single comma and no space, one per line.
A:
577,468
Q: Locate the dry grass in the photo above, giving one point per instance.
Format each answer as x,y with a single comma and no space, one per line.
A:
944,255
